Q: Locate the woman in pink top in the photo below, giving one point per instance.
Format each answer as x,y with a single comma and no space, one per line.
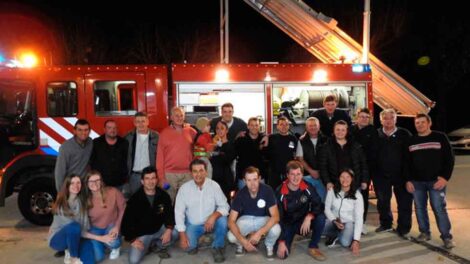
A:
105,209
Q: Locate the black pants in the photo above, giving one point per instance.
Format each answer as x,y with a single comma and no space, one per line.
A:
383,190
365,196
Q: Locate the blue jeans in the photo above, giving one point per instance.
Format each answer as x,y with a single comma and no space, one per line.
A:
194,232
345,236
67,238
248,224
136,255
318,185
438,205
98,248
317,226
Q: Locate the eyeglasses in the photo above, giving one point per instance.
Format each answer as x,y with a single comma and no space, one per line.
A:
364,116
95,182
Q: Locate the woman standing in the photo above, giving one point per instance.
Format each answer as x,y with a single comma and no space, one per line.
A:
344,208
105,207
70,219
222,158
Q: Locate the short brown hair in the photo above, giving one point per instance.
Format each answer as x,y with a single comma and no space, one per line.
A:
363,110
330,98
253,119
227,105
293,165
423,115
282,118
251,169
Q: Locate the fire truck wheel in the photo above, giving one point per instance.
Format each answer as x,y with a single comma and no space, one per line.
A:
35,200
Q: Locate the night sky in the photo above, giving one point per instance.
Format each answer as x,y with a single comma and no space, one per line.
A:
174,31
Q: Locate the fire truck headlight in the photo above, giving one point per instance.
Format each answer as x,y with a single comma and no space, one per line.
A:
29,60
320,76
221,75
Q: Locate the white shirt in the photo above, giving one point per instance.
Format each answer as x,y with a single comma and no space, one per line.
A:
300,151
194,205
141,158
348,210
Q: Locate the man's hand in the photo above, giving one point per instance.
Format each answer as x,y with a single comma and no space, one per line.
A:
282,251
256,237
264,141
305,228
248,245
166,237
410,187
338,224
209,224
364,186
355,247
240,134
314,173
440,184
138,245
184,242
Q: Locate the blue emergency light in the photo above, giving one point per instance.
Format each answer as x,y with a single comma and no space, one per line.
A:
361,68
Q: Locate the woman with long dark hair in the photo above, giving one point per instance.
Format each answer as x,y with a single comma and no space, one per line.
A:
70,220
222,158
344,210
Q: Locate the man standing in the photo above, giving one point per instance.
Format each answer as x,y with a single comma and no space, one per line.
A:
301,210
235,124
254,211
201,207
149,217
431,164
74,153
175,152
364,133
329,115
250,151
281,150
390,173
142,150
109,156
73,158
307,153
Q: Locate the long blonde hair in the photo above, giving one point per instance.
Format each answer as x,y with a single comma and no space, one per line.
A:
89,194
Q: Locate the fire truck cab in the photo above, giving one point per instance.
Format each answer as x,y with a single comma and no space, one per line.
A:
39,107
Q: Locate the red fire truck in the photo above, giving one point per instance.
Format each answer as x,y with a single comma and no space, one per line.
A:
39,106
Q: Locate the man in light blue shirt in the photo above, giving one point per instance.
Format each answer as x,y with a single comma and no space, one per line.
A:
201,207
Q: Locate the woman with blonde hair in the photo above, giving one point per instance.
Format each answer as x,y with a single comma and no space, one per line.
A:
105,207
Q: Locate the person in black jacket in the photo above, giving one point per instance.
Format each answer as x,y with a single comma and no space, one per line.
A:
300,210
364,133
308,153
329,115
430,166
148,218
390,171
340,153
109,156
281,149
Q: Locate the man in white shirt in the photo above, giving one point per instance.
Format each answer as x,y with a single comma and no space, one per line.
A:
201,207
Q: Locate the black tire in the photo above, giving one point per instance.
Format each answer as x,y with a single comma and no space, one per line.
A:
35,200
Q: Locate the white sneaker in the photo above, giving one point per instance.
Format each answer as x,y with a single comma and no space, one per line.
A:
364,230
269,253
115,253
67,259
75,261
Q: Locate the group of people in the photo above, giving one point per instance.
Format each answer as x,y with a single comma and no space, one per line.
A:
178,184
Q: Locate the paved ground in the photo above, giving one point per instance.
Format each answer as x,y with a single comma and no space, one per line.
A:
21,242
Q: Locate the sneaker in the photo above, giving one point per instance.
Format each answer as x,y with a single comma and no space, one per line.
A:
192,251
331,241
316,254
240,251
59,254
269,253
115,253
448,243
75,261
67,258
364,230
405,236
382,229
218,255
163,253
423,237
